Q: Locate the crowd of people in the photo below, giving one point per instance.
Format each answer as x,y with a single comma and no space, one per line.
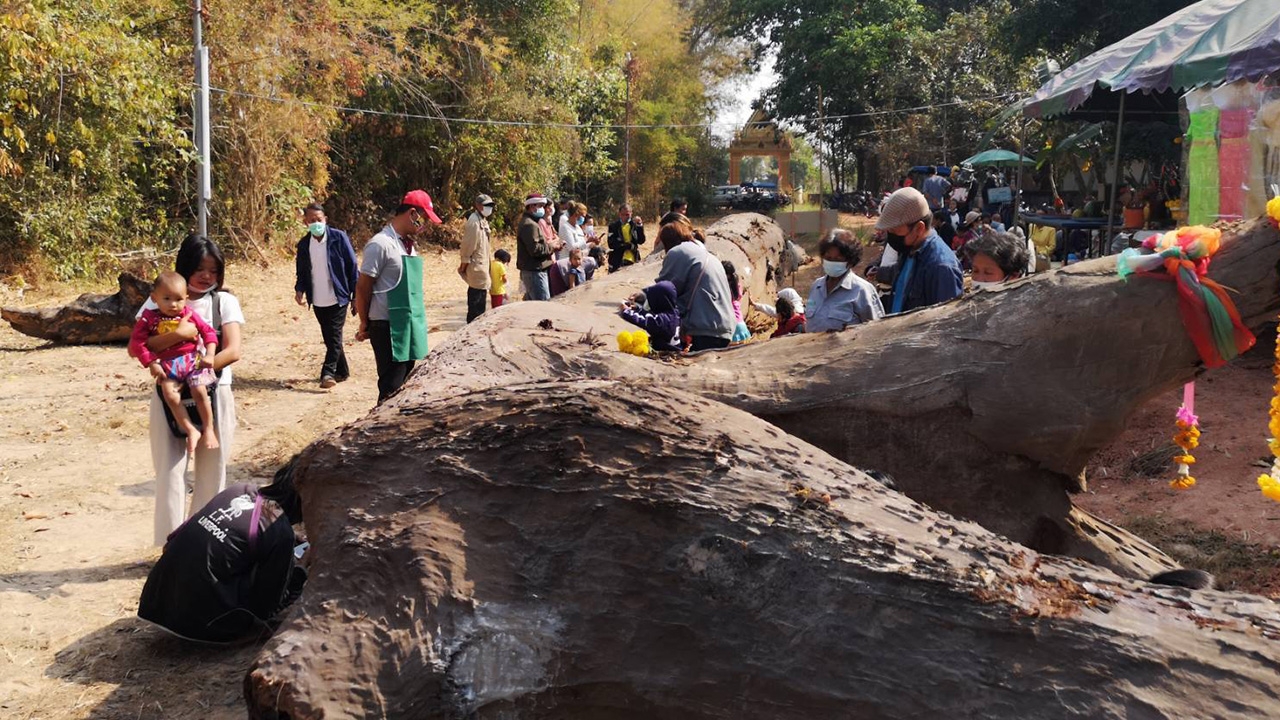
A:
189,336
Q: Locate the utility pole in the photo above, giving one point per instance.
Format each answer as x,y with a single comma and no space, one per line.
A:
201,123
629,70
822,136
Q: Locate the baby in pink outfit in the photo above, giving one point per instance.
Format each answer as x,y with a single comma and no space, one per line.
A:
188,363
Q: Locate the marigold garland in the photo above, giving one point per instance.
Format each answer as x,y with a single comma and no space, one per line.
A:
1273,211
1187,438
1268,482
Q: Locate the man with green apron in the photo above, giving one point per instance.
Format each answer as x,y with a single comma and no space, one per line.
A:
389,294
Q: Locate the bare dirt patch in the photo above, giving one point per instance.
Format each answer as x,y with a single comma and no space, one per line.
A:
76,498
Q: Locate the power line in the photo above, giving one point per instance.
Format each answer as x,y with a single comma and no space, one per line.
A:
565,125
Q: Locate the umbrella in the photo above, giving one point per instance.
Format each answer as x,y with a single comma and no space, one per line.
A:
998,158
1210,42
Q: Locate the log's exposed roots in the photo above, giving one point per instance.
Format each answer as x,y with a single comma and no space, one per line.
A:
606,549
90,319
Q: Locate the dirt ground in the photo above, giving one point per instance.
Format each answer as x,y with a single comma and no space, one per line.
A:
76,494
77,498
1223,524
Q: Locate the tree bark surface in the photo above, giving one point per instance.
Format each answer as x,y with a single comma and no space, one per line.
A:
605,549
540,526
988,408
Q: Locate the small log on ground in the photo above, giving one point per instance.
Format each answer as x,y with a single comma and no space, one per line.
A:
599,549
91,319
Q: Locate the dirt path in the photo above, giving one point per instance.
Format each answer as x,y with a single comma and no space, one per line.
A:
76,501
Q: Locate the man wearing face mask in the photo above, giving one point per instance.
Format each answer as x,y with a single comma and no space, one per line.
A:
389,294
534,252
927,272
475,256
840,298
326,280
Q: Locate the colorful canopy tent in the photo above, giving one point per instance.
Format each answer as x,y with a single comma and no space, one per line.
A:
1209,43
998,158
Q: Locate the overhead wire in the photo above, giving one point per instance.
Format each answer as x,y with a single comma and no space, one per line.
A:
569,125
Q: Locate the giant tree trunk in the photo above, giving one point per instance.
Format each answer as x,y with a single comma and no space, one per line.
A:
539,526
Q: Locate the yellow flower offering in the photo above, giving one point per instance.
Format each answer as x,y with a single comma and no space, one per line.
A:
1270,487
1268,482
634,343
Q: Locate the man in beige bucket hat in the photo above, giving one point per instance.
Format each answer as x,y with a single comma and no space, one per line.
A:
927,272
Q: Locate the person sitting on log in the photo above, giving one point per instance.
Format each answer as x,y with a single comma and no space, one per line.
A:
654,309
790,322
186,363
840,297
927,273
996,258
570,272
703,297
788,309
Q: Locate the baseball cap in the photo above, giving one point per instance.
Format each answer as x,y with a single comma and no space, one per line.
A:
483,199
535,199
904,207
422,201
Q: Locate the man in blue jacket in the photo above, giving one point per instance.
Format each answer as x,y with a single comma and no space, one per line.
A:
927,272
326,281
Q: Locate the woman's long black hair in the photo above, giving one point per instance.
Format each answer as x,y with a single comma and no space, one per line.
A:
732,274
193,252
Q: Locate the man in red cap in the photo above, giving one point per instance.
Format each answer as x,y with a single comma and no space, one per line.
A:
393,317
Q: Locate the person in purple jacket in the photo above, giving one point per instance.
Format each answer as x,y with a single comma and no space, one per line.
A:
654,309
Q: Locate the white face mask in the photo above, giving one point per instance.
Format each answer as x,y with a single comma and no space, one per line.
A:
835,268
486,211
987,285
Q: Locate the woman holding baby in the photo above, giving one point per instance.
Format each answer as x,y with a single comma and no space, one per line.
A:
201,264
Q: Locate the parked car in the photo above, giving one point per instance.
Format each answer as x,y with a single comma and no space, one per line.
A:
725,197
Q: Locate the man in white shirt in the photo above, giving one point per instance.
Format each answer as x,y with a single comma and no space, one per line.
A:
326,280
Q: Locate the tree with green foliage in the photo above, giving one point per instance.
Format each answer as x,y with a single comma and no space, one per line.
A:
91,153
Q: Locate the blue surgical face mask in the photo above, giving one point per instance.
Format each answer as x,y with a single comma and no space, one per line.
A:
581,220
317,229
540,213
835,268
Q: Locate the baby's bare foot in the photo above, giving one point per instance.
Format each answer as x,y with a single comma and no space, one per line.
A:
193,440
210,438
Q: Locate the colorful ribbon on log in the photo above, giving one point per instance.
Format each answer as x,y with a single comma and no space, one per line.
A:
1207,312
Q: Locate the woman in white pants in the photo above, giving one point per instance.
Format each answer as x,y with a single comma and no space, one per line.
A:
201,263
